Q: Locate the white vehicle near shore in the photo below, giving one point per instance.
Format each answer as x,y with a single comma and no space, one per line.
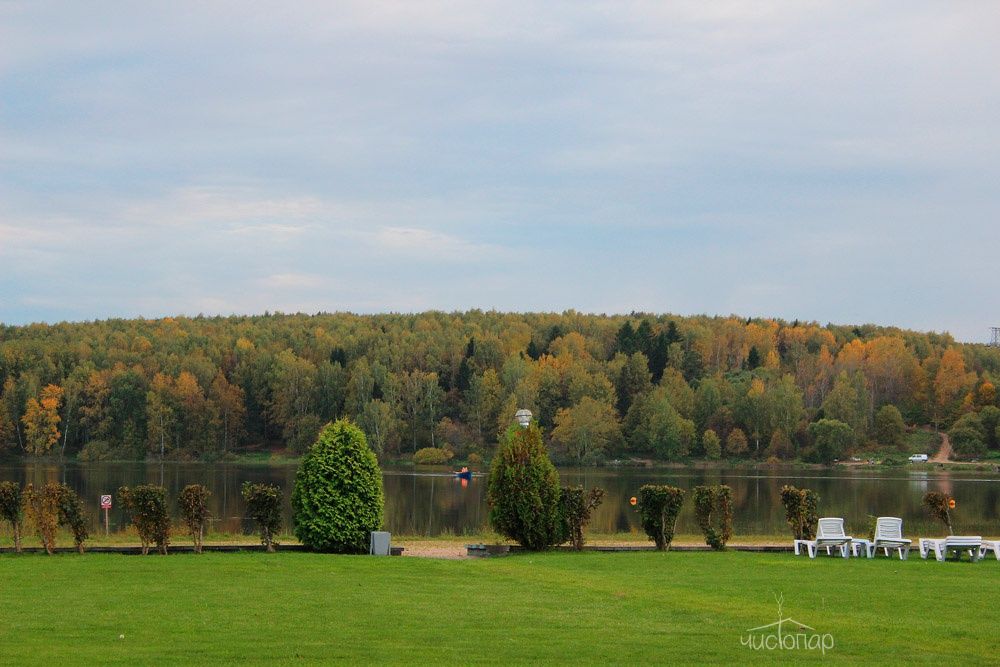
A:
918,458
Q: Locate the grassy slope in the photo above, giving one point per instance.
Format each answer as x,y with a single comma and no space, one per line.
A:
552,607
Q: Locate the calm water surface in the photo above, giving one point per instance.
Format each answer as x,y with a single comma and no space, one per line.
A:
433,502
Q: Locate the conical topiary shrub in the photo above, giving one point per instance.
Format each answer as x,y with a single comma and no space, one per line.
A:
523,492
338,498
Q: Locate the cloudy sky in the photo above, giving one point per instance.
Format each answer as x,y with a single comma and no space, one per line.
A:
829,161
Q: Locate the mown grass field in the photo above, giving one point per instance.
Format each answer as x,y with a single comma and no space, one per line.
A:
553,607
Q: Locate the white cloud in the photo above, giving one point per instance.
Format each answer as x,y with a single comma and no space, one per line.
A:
431,246
707,156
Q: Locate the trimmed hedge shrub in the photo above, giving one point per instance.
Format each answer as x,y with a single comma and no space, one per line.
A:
12,510
52,506
713,506
523,490
801,511
73,516
42,508
338,498
146,505
659,507
193,504
263,503
575,507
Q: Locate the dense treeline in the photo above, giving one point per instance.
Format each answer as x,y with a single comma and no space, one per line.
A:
600,386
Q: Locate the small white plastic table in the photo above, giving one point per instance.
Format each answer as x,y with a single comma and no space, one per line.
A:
858,542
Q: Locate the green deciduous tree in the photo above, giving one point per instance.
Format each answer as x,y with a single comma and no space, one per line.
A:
889,427
586,430
711,444
263,502
193,505
659,507
831,439
968,435
146,506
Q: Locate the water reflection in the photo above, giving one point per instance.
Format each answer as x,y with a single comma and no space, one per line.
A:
435,502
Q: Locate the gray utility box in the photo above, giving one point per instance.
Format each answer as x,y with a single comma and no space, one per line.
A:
380,543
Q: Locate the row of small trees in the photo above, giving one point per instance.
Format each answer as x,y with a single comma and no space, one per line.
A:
54,505
337,501
528,506
46,508
713,505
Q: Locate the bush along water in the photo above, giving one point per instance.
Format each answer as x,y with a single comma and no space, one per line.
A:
73,516
575,508
940,505
193,504
263,503
801,511
523,490
713,506
338,498
55,505
659,507
12,510
146,506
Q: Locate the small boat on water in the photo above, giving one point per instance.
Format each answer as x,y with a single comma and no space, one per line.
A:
464,474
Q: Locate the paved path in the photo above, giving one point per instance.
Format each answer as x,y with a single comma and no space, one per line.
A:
943,454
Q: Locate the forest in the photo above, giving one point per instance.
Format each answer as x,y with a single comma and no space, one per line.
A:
438,386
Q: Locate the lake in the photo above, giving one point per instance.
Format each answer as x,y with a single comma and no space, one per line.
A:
433,502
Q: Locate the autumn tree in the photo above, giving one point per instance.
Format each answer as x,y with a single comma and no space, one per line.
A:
41,420
736,443
293,399
950,383
229,400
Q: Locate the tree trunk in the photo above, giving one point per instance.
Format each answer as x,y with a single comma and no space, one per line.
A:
62,454
17,537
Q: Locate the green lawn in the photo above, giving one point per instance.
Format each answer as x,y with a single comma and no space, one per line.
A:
555,607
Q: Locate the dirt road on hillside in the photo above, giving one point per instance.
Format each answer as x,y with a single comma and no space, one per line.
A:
944,454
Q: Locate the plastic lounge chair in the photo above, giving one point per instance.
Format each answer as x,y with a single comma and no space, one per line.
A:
829,534
972,544
990,545
889,535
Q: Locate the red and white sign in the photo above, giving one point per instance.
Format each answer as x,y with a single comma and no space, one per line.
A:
105,502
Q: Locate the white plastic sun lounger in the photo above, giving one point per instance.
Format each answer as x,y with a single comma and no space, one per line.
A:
956,543
829,534
889,535
990,545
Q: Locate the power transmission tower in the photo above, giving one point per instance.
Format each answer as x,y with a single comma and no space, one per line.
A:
995,340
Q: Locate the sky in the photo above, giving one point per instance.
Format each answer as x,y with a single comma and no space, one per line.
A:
828,161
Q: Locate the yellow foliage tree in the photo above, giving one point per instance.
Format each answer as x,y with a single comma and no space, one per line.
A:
987,394
950,382
41,420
